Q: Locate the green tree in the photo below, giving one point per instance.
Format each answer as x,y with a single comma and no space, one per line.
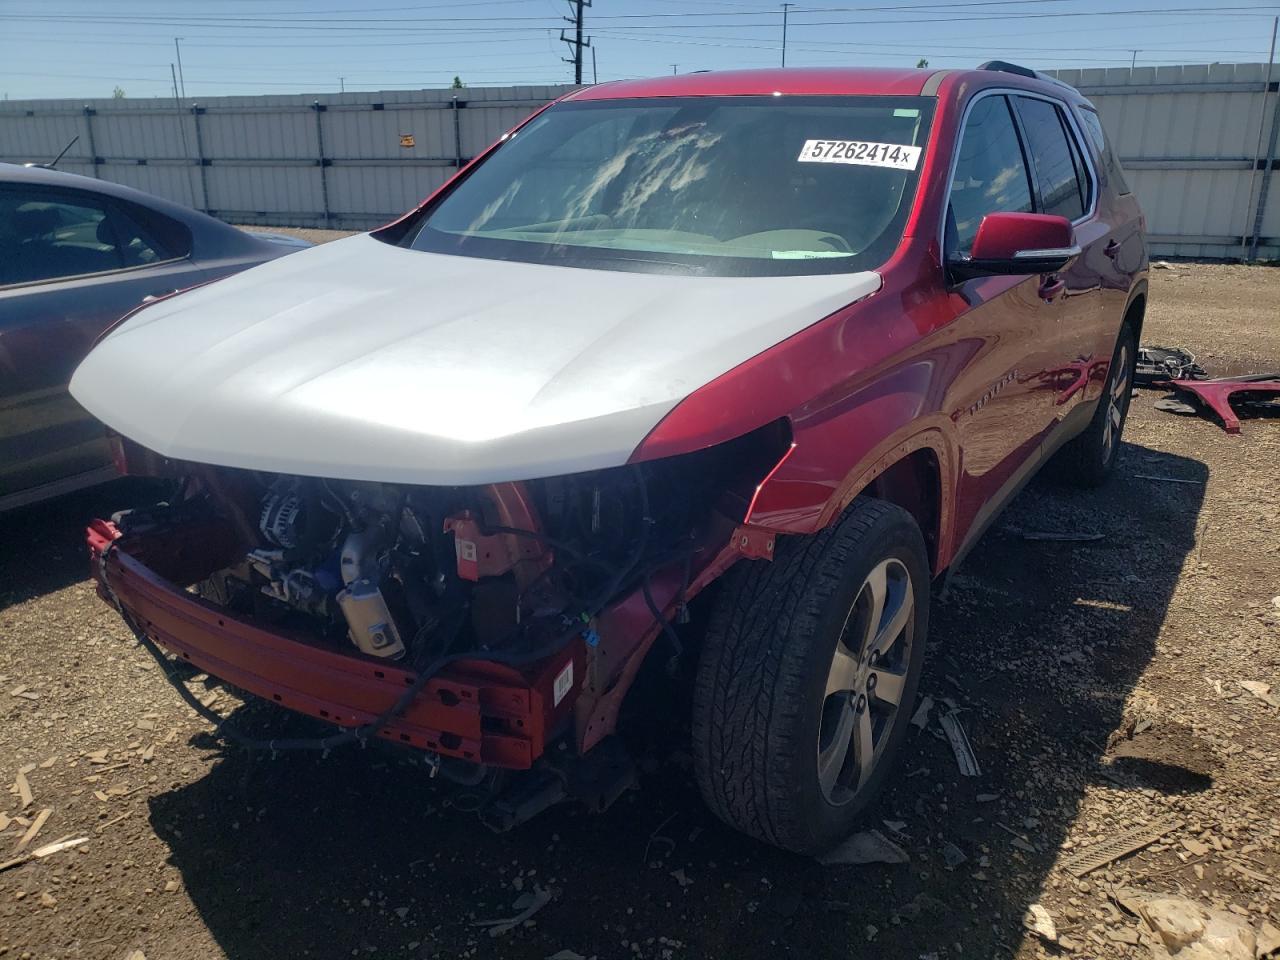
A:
457,83
117,93
921,63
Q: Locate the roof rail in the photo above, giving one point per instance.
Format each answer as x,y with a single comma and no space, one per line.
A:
1004,66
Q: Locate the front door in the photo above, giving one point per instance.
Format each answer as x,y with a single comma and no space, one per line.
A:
999,403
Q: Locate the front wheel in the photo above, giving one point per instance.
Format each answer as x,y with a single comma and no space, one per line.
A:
808,676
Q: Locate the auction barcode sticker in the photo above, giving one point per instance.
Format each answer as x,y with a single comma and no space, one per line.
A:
860,152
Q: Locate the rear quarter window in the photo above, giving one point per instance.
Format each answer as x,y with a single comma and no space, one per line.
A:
1111,164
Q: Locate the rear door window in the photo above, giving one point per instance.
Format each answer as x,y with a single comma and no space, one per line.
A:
991,174
1059,169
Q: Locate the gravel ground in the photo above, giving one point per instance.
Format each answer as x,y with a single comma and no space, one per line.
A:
1099,683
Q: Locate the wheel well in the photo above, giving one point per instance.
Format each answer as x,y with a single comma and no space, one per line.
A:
1134,315
914,484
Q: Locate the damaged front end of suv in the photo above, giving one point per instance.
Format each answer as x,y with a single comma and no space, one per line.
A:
496,627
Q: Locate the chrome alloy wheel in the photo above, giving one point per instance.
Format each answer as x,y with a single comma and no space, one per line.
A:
1117,401
866,681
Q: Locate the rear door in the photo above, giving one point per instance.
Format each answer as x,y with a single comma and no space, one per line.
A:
71,263
1067,186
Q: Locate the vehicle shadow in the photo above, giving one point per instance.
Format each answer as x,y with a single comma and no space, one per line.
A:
43,549
1038,643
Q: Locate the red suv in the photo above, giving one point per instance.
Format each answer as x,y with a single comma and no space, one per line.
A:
778,343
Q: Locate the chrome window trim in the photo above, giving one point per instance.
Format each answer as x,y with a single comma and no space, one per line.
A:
1072,121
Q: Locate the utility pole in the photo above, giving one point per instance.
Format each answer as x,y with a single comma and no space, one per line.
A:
786,8
1261,208
595,77
342,84
675,68
576,44
182,83
1133,61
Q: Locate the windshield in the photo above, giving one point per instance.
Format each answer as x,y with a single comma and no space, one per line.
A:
724,186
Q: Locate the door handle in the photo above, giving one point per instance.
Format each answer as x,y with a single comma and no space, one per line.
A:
1112,249
1051,285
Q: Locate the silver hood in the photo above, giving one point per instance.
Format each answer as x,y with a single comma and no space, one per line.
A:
363,361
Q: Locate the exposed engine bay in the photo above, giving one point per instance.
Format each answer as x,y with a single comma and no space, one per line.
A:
411,573
482,624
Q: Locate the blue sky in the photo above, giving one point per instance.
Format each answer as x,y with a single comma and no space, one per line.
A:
84,48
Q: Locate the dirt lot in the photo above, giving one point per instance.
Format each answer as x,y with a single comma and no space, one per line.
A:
1099,682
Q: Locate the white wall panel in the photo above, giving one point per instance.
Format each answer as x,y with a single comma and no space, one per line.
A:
1188,136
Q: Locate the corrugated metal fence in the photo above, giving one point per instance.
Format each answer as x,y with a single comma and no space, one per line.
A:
349,161
1198,143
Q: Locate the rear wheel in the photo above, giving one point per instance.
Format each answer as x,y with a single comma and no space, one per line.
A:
808,676
1088,459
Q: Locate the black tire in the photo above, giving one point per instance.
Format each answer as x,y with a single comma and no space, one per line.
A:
760,698
1088,459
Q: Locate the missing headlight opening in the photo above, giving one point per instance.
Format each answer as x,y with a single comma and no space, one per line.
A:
515,614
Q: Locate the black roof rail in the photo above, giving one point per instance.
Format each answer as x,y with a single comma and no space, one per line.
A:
1004,66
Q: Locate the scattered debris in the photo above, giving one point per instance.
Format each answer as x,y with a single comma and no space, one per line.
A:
1122,844
870,846
527,904
1188,930
1268,940
1251,393
1260,690
32,830
1195,847
1019,841
111,823
965,758
921,716
24,790
682,878
1054,535
656,837
1040,922
953,855
1155,364
57,847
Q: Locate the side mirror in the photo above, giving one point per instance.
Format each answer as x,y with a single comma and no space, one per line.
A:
1017,244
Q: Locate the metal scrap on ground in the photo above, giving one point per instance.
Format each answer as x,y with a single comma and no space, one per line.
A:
527,903
1100,854
870,846
959,740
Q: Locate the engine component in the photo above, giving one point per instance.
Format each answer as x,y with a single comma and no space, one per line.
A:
359,557
293,521
369,619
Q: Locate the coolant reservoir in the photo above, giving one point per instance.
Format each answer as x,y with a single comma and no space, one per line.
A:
369,620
